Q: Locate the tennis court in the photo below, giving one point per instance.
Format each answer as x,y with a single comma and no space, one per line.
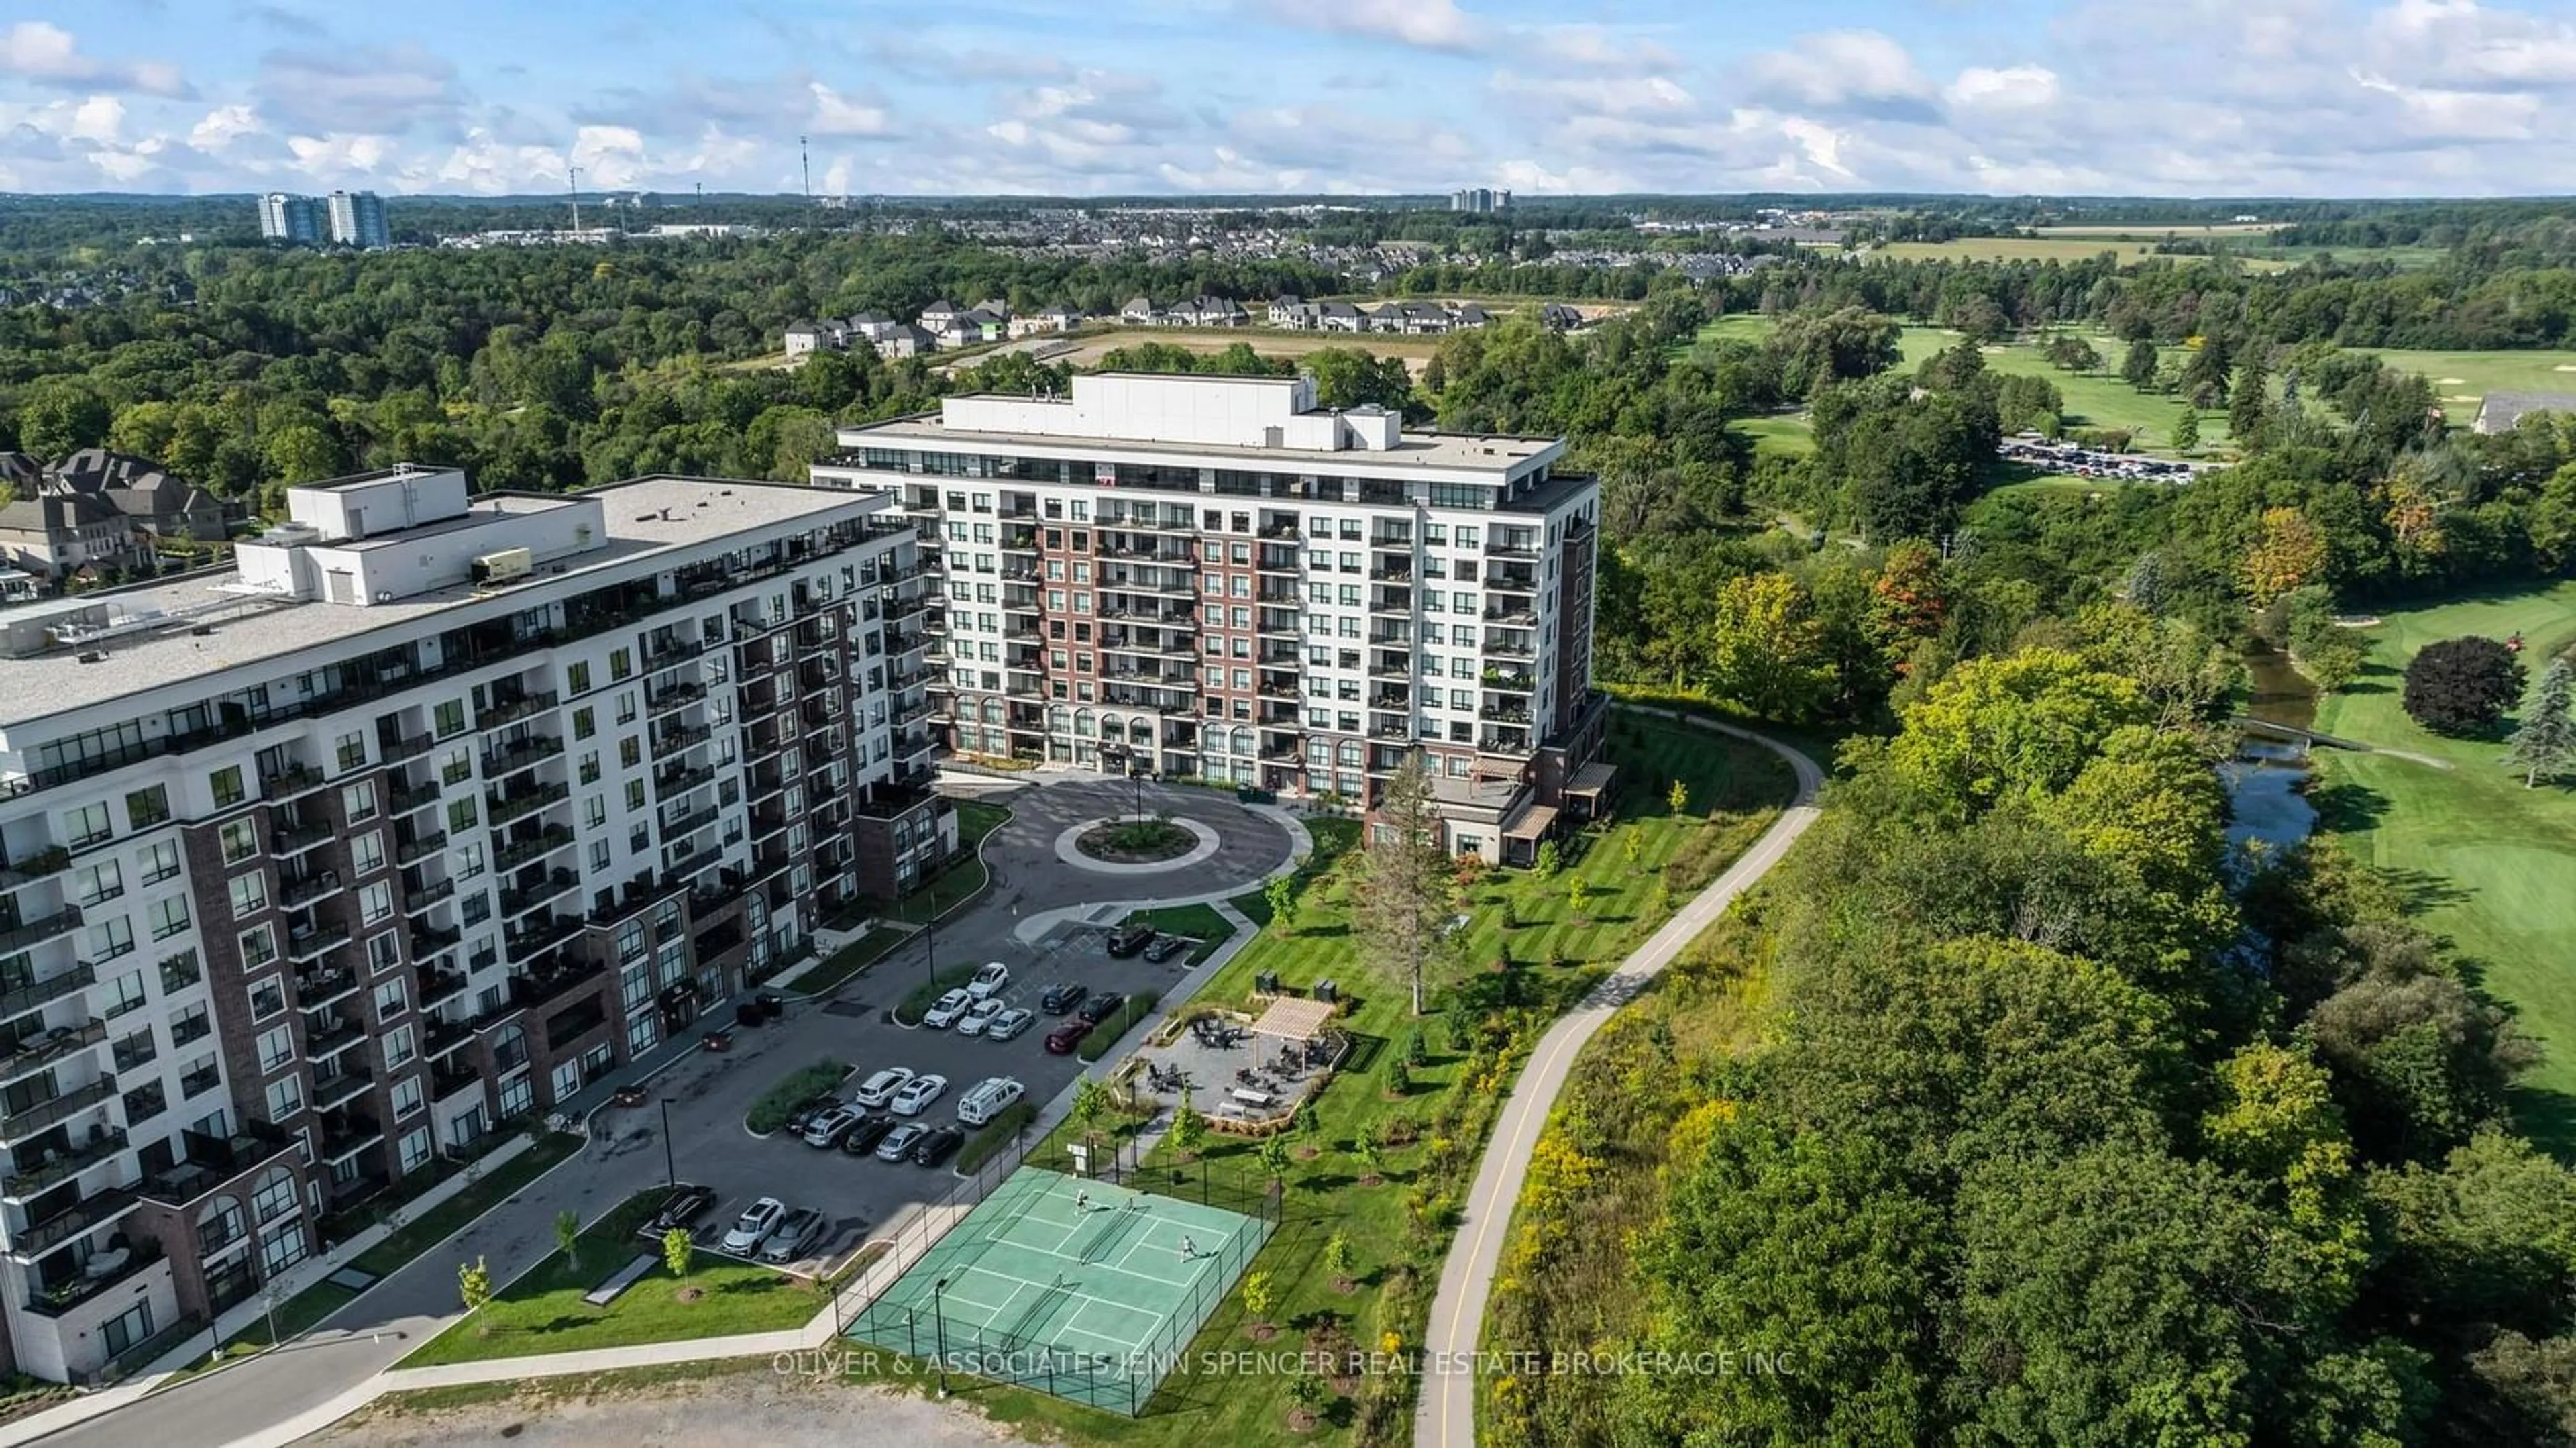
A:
1080,1287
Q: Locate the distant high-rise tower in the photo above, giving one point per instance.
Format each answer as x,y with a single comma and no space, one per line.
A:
294,219
1480,199
358,219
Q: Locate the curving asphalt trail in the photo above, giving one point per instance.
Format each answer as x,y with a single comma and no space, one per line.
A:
1446,1415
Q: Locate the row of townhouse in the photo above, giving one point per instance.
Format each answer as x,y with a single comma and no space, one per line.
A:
1141,311
1216,578
436,810
942,324
98,510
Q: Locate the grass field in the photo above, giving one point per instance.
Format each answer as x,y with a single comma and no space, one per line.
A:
2460,377
1416,351
1785,434
2494,863
542,1312
2164,233
1195,922
2060,248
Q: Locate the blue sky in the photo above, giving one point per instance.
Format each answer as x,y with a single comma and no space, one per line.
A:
2201,97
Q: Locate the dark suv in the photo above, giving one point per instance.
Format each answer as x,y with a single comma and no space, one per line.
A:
1101,1007
1060,997
1128,939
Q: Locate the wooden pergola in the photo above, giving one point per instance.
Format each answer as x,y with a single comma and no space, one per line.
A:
1294,1018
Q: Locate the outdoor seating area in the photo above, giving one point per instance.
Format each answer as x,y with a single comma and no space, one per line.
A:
1244,1073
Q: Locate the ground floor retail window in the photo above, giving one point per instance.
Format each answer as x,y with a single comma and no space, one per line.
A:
127,1330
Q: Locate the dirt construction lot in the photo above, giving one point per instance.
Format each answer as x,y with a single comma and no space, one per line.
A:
753,1406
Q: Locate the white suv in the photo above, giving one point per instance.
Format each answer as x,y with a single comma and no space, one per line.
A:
945,1013
989,979
991,1097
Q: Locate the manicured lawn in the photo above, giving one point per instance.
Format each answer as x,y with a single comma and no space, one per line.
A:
2493,864
308,1308
2046,248
543,1311
849,960
1197,922
2460,379
1787,434
777,1103
961,881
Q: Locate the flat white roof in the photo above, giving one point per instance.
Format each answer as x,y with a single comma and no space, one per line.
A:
1457,450
249,631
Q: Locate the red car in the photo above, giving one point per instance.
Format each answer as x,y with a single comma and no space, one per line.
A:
1062,1040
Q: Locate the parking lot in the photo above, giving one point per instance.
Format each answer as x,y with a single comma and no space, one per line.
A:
2034,451
708,1094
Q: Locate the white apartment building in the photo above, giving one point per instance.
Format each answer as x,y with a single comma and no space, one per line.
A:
436,810
1216,578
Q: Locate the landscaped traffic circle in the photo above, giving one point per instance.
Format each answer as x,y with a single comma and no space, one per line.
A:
1135,844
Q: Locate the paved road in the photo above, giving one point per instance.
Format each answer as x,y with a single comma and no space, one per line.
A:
259,1402
1446,1415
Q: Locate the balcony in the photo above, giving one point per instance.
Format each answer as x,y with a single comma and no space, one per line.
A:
51,1046
1502,649
295,892
320,988
1504,714
417,899
214,1160
519,902
396,749
1508,683
312,943
341,1142
1512,582
674,696
537,846
447,1078
333,1036
409,850
437,987
442,1036
342,1086
289,781
17,1126
33,866
514,710
500,809
533,991
405,799
671,783
500,762
1523,617
293,837
673,741
53,1167
39,930
429,940
60,1298
534,939
19,1000
1510,547
91,1213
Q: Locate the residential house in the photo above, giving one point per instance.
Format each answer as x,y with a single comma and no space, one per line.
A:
1208,312
1467,316
1058,318
801,338
1340,317
1139,312
1288,311
977,325
161,506
1558,317
2501,410
59,531
905,340
873,327
939,316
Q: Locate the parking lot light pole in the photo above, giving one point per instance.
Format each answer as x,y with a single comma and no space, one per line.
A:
670,1163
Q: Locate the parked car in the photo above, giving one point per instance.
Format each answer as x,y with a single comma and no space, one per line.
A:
879,1089
766,1006
796,1235
898,1143
991,1097
918,1093
989,979
825,1131
1008,1024
949,1007
1101,1007
978,1017
937,1145
754,1226
1062,996
1128,939
1165,947
863,1138
1062,1040
809,1108
684,1205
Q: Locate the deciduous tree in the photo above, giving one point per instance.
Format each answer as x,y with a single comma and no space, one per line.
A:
2462,685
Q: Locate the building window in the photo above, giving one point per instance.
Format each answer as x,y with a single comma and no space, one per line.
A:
621,663
180,972
358,802
461,815
375,902
98,883
249,894
448,718
367,852
285,1097
168,917
145,808
415,1142
577,677
398,1047
390,1000
267,998
406,1101
240,840
111,938
351,751
276,1047
274,1197
226,785
280,1248
159,862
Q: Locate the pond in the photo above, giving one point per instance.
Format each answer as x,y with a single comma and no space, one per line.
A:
2266,778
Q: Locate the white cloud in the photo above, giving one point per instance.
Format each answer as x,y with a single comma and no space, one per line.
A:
49,55
223,126
1426,24
837,115
1840,70
1595,47
1596,95
2011,86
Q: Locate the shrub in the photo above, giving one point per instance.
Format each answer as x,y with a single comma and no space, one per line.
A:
770,1112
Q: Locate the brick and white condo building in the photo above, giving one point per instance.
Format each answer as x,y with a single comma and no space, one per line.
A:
1216,578
316,873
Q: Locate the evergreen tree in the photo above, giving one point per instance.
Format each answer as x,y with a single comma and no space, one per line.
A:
2245,403
2138,369
2544,743
2186,433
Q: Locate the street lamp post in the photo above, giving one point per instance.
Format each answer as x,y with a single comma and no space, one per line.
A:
670,1164
939,1332
268,1302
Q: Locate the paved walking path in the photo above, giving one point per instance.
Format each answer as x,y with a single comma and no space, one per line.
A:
1446,1415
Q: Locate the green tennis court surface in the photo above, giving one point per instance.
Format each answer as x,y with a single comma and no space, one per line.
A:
1078,1287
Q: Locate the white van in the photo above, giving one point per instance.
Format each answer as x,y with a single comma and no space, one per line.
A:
991,1097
